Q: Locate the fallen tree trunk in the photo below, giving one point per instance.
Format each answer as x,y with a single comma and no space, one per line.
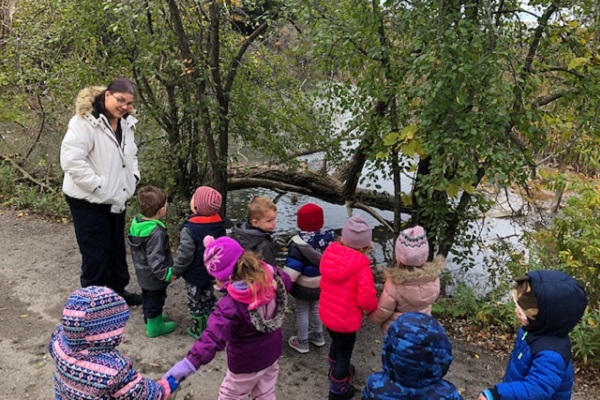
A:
322,186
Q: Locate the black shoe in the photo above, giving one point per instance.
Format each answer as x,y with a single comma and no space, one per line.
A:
132,299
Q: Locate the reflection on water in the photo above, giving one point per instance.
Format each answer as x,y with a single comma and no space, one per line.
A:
491,231
335,218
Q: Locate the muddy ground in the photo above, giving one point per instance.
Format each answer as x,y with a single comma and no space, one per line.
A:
40,267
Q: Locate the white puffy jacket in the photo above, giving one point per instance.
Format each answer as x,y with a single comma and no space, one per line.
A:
96,168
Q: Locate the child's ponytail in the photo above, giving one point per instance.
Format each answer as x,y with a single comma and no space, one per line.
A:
251,270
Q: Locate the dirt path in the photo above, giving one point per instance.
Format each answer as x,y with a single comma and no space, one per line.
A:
40,267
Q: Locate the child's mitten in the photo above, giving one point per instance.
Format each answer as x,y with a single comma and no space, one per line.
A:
180,371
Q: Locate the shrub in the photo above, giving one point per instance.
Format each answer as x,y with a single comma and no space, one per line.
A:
572,243
585,338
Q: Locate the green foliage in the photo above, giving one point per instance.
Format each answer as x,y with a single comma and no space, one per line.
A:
492,312
585,338
21,196
572,242
7,182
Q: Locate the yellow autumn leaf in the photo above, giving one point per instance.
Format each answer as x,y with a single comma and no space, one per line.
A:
577,62
409,132
467,187
452,190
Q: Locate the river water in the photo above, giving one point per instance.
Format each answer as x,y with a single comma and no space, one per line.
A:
491,232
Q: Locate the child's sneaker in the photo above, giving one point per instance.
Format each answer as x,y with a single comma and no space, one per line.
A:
301,346
317,339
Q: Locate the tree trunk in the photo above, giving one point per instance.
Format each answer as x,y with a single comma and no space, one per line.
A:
7,9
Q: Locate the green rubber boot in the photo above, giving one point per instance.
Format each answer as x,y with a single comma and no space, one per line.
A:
158,327
199,325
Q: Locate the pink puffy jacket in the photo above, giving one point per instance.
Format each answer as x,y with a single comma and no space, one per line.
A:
347,288
405,290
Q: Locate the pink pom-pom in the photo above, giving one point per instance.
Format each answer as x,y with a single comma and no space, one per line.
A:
208,240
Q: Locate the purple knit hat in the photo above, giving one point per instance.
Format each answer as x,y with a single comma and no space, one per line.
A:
357,233
412,247
206,201
221,256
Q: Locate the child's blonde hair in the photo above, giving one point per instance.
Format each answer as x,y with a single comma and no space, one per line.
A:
258,206
251,270
364,250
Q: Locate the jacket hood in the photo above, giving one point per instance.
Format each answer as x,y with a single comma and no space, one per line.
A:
416,350
93,320
429,271
561,302
141,227
345,262
318,240
311,254
85,102
249,236
85,99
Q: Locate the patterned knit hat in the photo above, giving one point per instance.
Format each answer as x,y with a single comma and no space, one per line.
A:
94,318
310,218
206,201
357,233
412,247
221,256
525,298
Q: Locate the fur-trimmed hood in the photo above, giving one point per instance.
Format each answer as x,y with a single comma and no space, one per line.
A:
429,271
84,104
85,99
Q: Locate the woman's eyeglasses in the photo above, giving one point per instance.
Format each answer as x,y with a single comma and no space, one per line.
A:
121,101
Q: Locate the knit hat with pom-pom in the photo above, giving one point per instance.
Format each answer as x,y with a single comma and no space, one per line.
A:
412,247
221,256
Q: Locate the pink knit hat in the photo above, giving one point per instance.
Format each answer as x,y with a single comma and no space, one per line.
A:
412,247
310,218
221,256
206,201
357,233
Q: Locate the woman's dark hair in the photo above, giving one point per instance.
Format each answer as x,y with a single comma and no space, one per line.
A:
118,85
121,85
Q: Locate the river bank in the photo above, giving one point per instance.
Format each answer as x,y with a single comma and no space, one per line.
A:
40,267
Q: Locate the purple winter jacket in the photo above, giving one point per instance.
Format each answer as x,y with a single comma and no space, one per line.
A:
252,343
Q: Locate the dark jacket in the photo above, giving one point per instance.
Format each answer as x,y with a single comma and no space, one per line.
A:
189,260
416,355
151,253
303,260
257,240
540,365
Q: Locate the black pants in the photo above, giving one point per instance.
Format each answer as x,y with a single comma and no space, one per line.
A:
340,351
153,302
101,239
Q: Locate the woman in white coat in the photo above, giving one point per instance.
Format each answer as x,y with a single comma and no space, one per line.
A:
98,157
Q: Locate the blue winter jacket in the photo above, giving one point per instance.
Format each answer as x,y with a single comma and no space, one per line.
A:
540,365
416,355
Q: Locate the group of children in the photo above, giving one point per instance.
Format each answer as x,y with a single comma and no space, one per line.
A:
333,288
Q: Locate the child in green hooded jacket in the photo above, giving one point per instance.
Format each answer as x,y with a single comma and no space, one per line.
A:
151,253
